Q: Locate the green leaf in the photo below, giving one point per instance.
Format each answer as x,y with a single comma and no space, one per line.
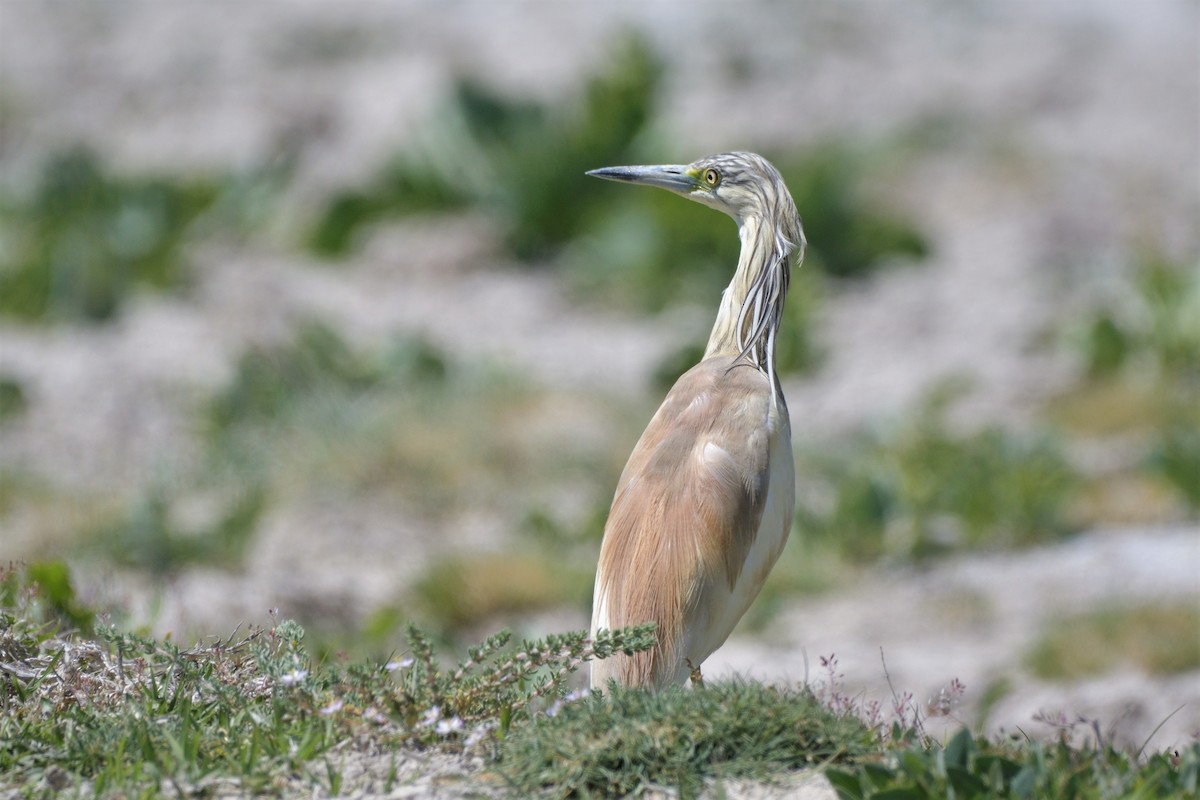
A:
878,775
1024,783
959,749
902,793
965,784
846,784
916,763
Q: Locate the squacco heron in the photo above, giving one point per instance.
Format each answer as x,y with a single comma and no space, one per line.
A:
704,505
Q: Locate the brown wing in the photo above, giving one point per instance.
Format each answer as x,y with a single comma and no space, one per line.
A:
685,514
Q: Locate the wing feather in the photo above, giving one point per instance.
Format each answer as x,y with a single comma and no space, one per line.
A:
684,516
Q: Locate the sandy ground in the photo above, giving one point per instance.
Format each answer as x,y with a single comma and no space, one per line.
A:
1073,140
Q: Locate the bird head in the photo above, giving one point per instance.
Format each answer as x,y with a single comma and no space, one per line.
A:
742,185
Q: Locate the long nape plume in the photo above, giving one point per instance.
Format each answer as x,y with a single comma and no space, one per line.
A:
762,310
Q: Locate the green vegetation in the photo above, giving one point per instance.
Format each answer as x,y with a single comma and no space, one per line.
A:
970,768
457,592
525,163
1156,328
923,489
616,745
1176,458
132,714
915,491
1160,640
850,232
41,596
522,161
77,243
126,715
148,538
270,382
12,398
317,414
1142,356
84,239
314,416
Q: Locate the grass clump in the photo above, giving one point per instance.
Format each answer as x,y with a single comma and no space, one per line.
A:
1160,640
632,739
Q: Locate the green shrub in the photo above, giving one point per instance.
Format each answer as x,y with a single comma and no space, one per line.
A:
522,161
85,239
922,489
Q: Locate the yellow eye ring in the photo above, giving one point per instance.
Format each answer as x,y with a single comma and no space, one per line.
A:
712,177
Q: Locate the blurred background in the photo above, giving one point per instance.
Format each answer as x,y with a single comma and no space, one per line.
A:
308,306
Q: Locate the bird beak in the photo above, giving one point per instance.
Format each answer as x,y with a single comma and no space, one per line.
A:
674,177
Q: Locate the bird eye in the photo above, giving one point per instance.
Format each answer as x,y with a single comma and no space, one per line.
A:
712,177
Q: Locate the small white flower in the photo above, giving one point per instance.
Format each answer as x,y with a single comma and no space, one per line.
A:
294,677
373,714
448,726
431,717
404,663
332,708
479,733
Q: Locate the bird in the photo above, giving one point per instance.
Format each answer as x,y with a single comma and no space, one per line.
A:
703,508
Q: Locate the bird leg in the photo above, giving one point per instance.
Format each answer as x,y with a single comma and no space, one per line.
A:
696,678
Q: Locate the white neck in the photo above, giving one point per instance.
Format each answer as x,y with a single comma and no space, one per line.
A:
758,239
